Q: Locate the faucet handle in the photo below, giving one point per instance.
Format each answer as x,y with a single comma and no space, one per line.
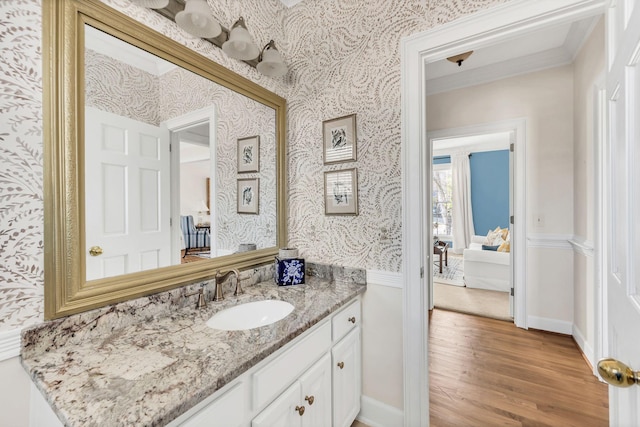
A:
219,295
238,290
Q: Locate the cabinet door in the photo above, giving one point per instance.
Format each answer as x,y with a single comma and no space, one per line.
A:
316,394
229,410
282,412
346,379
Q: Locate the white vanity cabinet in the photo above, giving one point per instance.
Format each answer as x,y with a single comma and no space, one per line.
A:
307,403
313,381
347,379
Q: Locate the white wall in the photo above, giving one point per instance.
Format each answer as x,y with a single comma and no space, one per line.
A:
545,100
193,187
589,66
14,394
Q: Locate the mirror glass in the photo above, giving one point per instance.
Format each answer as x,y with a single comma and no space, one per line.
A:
178,168
161,165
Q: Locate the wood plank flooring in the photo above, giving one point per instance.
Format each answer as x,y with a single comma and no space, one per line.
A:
487,372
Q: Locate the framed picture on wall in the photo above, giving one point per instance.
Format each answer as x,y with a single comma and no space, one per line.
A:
248,195
339,139
249,154
341,192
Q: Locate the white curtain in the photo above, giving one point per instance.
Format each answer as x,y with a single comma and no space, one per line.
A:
462,221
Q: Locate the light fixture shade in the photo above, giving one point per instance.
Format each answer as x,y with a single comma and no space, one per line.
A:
197,20
240,44
152,4
272,64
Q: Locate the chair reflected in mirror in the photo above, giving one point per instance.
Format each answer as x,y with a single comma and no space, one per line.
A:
194,237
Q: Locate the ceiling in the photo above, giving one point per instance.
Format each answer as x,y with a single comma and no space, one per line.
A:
535,51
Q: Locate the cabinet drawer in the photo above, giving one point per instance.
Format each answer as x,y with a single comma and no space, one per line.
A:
345,320
274,377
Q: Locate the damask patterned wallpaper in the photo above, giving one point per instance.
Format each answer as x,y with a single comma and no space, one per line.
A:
344,58
21,179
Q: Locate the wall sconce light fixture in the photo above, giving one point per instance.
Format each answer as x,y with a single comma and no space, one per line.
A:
194,16
152,4
271,62
196,19
240,44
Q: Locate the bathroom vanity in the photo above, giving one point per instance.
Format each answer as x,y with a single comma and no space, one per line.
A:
171,368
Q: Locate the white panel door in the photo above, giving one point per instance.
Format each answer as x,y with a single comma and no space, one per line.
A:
622,199
126,195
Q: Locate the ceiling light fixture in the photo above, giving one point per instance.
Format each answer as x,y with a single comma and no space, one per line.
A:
240,44
271,62
152,4
197,20
458,59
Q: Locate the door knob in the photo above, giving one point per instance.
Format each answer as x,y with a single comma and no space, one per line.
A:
95,251
309,399
341,365
617,373
300,410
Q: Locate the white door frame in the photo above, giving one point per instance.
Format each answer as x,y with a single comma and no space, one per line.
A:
517,128
193,118
487,27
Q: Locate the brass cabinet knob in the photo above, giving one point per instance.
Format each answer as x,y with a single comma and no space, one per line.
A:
352,319
95,251
300,410
309,399
617,373
341,365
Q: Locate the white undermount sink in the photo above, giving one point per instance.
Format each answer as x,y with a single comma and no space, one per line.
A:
250,315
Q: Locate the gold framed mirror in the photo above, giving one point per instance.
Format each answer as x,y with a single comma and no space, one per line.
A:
67,208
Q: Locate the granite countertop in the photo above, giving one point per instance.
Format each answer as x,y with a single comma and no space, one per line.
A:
150,372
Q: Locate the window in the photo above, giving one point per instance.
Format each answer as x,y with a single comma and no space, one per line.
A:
442,194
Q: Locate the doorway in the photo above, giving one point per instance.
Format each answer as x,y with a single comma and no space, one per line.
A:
501,23
473,178
193,136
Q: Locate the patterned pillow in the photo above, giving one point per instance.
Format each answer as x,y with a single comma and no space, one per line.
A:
492,236
505,247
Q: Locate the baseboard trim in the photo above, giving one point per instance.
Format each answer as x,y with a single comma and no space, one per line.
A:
9,344
550,325
384,278
377,414
587,350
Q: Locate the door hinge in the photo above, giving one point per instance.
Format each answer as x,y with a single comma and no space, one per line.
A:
422,272
511,219
170,222
512,147
512,292
169,147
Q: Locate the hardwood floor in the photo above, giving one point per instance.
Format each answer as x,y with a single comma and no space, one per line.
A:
486,372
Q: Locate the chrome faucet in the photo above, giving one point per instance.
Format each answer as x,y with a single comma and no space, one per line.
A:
220,278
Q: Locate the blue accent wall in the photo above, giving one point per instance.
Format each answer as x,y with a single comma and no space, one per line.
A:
490,190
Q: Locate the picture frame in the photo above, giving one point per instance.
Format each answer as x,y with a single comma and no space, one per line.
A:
248,196
339,140
249,154
341,192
